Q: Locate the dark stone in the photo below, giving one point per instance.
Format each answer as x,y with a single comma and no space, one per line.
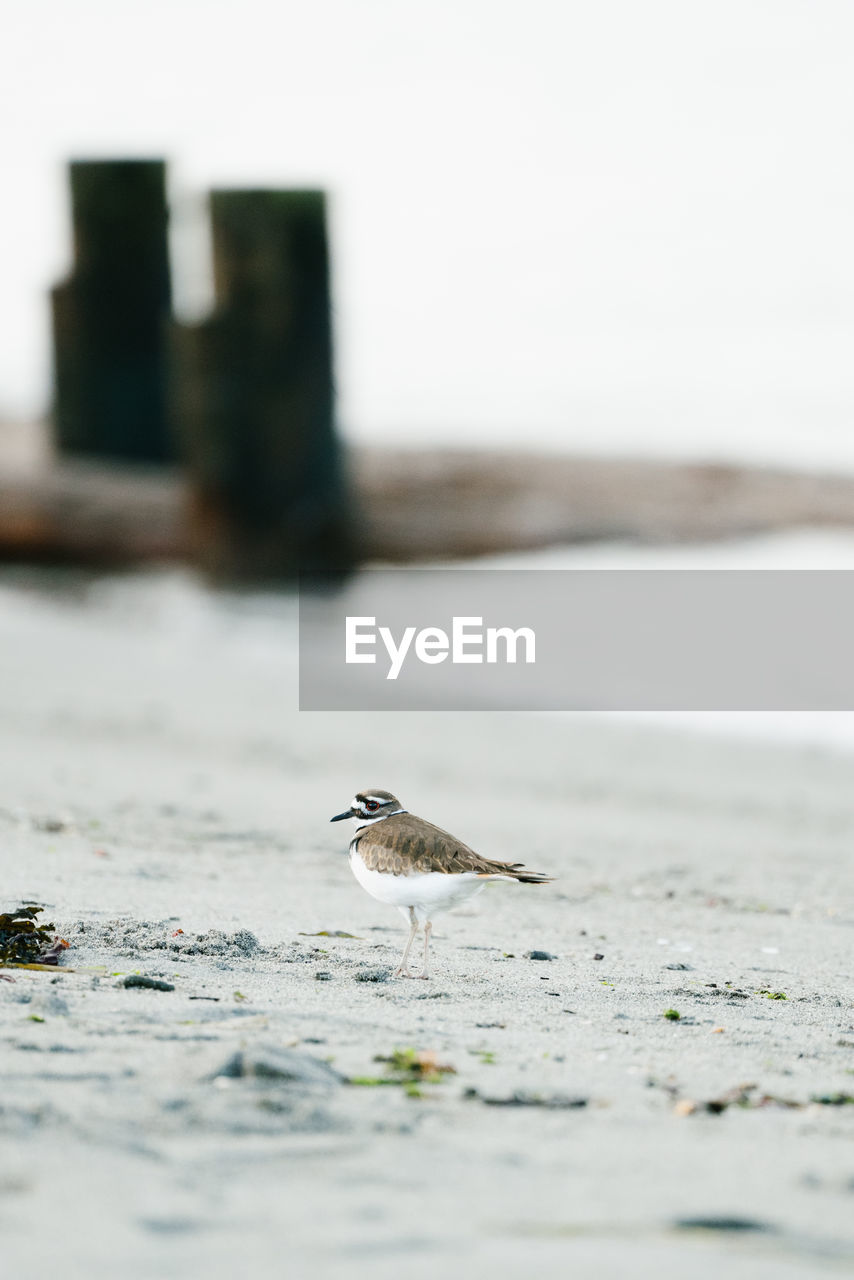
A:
150,984
285,1066
541,955
722,1224
169,1226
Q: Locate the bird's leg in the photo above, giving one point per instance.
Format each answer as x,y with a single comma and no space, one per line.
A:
428,928
401,971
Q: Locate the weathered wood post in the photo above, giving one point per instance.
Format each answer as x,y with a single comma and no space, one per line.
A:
110,318
253,394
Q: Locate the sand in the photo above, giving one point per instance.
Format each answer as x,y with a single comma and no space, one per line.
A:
156,778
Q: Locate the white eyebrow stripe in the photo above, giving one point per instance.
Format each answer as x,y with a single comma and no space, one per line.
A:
378,799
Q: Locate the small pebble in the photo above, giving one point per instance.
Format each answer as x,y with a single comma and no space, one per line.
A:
541,955
722,1224
322,976
598,956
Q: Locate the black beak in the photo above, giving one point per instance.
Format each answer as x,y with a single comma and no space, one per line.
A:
339,817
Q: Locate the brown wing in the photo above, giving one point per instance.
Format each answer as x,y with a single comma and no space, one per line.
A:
403,843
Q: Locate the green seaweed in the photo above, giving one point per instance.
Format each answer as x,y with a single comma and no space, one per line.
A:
748,1097
673,1015
406,1068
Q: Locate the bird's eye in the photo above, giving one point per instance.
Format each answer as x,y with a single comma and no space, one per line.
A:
371,805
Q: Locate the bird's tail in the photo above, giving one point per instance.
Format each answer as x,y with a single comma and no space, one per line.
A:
517,871
531,877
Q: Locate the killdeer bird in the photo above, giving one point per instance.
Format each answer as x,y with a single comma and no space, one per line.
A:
412,865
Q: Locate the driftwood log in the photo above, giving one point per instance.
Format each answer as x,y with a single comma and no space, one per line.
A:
426,505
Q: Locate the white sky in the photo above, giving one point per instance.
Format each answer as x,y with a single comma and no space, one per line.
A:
600,224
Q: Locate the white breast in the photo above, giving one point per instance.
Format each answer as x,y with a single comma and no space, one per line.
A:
425,891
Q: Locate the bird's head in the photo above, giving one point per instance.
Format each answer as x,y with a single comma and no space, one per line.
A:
370,806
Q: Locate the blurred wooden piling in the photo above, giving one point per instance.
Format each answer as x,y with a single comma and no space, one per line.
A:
110,317
253,395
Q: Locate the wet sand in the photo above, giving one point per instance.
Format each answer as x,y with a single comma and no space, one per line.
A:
156,778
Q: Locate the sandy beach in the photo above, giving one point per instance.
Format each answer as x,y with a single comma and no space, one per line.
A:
164,800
